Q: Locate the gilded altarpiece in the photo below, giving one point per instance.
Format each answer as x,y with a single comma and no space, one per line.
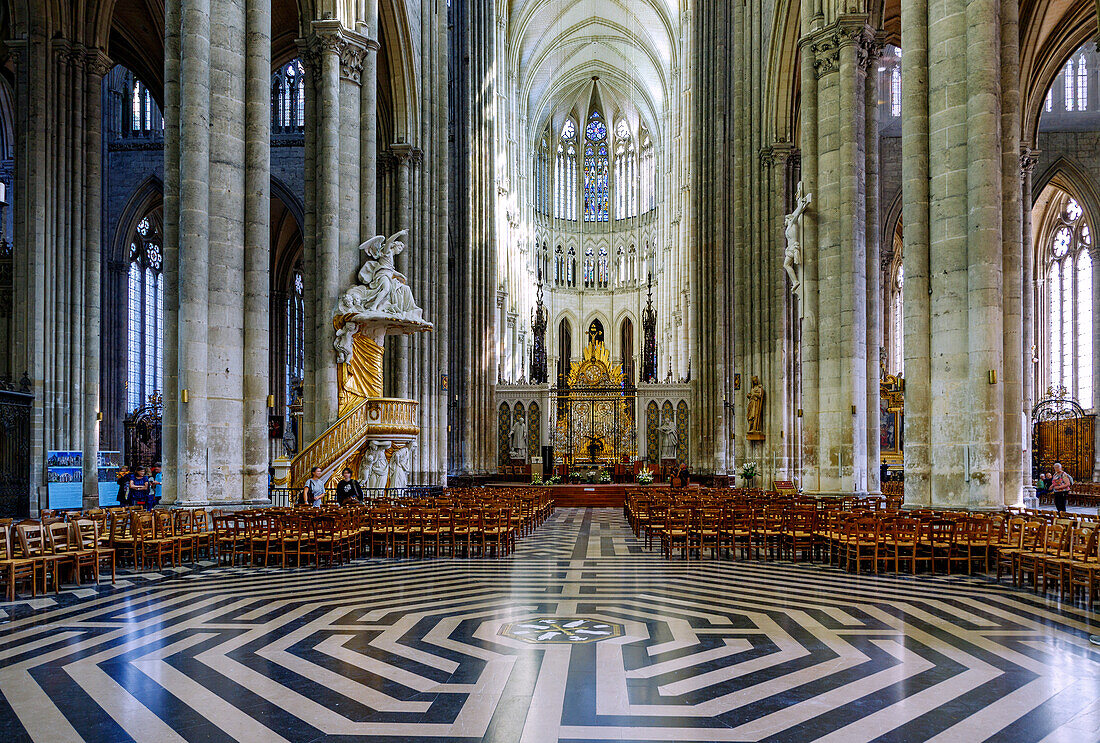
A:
594,423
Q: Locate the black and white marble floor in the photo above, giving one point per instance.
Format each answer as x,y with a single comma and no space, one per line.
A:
581,636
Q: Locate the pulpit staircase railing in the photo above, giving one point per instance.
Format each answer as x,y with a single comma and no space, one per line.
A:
370,417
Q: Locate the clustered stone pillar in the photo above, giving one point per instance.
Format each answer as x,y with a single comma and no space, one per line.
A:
216,242
837,326
340,195
56,225
963,255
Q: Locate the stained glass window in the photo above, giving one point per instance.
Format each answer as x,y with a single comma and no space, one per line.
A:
1068,85
1069,303
565,194
288,98
626,191
1082,84
145,315
589,268
895,91
602,269
596,176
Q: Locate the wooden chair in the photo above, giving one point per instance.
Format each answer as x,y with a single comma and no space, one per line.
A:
939,541
972,544
326,537
1009,546
86,532
202,532
1031,550
1084,573
34,544
183,528
706,531
155,538
677,532
18,569
797,535
861,544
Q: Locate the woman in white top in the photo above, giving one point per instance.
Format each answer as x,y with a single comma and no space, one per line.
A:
314,491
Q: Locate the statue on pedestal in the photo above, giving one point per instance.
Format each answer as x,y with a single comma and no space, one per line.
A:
792,255
755,410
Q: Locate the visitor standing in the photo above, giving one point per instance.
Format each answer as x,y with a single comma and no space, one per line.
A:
123,480
314,490
348,488
154,484
1060,485
139,489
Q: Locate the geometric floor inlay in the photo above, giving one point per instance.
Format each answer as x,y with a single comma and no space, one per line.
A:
436,650
561,630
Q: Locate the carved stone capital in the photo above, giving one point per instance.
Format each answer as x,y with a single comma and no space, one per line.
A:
97,62
351,62
851,30
1029,158
327,37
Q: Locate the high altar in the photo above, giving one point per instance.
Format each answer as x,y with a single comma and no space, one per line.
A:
596,420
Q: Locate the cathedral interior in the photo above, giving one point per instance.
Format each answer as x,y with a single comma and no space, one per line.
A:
534,370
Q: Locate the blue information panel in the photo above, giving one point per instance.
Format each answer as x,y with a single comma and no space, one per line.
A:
109,462
65,479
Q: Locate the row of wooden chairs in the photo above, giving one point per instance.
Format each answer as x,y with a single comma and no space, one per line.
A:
38,553
1061,553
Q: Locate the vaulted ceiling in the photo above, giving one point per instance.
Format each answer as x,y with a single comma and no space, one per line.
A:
556,48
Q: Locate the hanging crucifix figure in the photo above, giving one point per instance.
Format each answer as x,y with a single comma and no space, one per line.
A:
792,255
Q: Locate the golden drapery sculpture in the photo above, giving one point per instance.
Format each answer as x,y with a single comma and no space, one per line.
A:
360,377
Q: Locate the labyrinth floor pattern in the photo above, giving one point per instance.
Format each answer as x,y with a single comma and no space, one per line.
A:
581,636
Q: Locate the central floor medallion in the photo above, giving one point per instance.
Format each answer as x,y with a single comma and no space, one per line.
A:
561,630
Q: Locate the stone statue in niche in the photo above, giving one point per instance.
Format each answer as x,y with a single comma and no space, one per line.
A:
755,410
792,255
517,438
670,439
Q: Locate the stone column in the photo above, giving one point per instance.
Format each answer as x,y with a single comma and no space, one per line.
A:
917,239
194,249
872,265
368,123
328,42
402,152
257,247
839,54
170,430
98,65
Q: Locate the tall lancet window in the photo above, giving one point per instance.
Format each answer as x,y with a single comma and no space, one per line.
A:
145,316
898,326
565,196
1068,302
288,98
596,176
648,172
1082,84
626,192
542,175
1068,88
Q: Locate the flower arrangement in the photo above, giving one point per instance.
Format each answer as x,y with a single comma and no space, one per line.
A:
645,477
748,470
605,477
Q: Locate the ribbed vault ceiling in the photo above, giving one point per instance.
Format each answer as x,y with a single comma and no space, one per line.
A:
556,47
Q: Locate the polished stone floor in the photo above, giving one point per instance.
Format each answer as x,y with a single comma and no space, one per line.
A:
581,636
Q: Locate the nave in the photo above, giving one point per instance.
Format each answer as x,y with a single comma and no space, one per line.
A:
581,635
